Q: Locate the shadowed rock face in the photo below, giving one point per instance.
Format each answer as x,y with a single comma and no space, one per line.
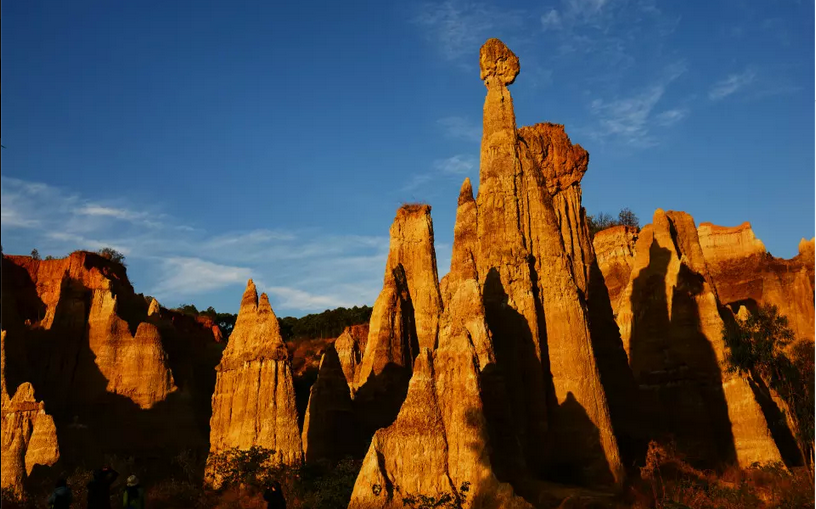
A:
405,317
80,295
29,436
254,399
119,375
439,439
746,274
330,428
671,327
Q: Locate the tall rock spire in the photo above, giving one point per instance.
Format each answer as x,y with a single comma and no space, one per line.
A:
254,399
535,288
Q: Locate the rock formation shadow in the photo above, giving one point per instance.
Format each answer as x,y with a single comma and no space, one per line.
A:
523,375
92,422
577,453
679,378
379,399
613,364
333,429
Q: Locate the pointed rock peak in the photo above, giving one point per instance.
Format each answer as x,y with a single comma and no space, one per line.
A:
498,63
154,308
250,298
466,193
807,246
263,305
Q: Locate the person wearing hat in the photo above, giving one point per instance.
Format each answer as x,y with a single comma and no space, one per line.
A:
133,497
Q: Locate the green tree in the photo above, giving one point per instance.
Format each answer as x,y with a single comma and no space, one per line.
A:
628,218
235,467
113,255
757,347
189,309
454,500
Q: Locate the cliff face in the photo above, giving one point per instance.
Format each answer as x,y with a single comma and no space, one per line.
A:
29,436
79,296
254,399
745,274
113,368
615,253
671,327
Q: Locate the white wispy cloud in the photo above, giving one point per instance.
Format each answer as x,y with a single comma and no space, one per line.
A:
671,117
459,27
304,269
610,32
453,167
551,20
195,276
731,84
459,164
300,299
630,119
461,128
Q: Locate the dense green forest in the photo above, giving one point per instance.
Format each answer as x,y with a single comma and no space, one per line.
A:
328,324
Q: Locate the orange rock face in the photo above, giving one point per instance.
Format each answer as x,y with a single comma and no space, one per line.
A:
29,436
745,274
615,252
671,327
254,399
350,346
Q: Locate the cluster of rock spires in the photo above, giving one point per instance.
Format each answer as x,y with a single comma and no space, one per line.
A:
543,354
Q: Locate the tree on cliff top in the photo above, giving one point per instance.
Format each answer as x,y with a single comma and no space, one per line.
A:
602,221
112,255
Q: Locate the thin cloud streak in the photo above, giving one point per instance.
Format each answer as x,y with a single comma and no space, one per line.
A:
731,84
630,119
461,128
456,27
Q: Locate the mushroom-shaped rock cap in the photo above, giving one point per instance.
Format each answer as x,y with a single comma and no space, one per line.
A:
497,61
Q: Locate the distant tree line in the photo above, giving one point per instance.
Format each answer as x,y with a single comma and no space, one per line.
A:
603,221
328,324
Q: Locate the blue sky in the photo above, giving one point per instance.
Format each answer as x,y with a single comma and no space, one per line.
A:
216,141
